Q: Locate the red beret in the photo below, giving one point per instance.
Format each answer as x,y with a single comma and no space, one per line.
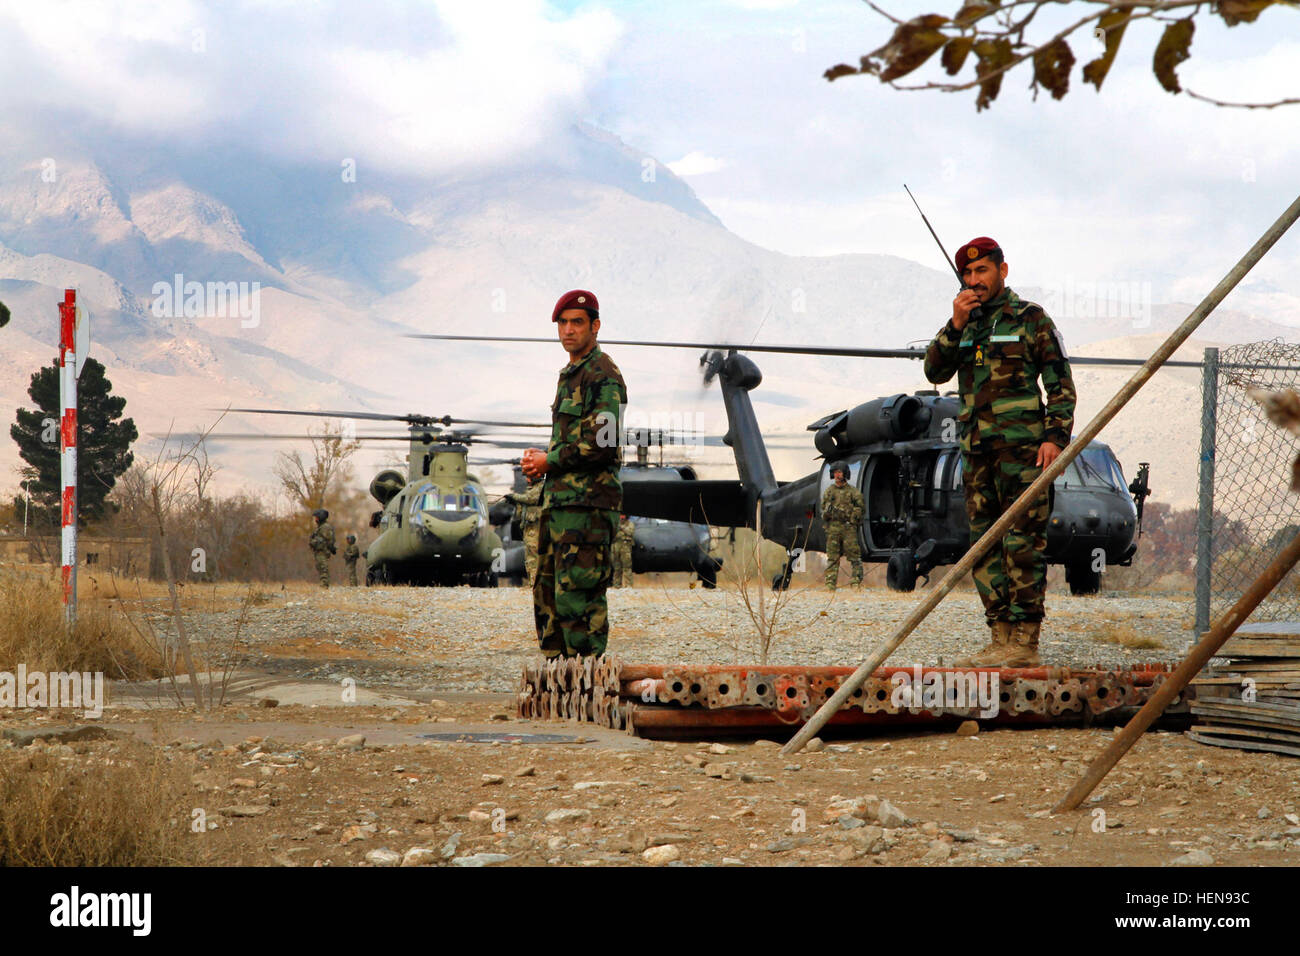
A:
577,299
975,249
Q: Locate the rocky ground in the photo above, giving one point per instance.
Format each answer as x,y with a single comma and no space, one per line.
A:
464,639
353,784
301,786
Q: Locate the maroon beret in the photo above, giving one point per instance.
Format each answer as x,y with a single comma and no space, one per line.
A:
975,249
577,299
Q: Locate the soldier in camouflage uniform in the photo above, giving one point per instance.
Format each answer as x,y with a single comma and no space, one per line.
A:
842,512
1008,436
530,516
623,544
350,555
583,496
321,543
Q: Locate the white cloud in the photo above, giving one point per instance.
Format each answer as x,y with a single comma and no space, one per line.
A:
696,163
402,87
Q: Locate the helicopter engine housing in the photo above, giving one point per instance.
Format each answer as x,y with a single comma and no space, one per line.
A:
386,484
895,418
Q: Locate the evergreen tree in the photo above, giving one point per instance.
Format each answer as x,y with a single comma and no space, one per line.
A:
103,442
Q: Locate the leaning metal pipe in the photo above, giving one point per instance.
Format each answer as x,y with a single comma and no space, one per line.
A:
1198,657
1050,473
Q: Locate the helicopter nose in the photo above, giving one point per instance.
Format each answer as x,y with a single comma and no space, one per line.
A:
1092,521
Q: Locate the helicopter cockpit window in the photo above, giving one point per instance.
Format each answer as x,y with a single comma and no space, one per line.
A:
1099,469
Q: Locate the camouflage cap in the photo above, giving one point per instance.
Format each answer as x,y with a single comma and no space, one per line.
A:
977,248
577,299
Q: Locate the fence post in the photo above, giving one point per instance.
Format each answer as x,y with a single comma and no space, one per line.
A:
1205,494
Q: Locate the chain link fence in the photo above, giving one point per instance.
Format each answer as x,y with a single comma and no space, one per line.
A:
1246,512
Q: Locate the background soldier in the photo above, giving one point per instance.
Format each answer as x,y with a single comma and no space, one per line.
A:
350,555
530,516
321,543
583,496
842,512
623,553
1007,437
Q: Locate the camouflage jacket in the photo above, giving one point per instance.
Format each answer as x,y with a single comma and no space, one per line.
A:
322,539
585,450
529,503
842,504
626,532
351,553
998,362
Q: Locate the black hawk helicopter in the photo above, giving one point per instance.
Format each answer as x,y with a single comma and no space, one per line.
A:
902,460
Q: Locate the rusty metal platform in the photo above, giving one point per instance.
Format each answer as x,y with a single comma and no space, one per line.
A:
682,700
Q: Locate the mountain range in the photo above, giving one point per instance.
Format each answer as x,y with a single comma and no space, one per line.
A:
341,264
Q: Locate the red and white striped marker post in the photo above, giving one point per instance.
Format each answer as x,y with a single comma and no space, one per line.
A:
68,446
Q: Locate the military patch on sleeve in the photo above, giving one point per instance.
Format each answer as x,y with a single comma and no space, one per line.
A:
1060,343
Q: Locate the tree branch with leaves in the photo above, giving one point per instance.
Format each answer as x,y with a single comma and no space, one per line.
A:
998,34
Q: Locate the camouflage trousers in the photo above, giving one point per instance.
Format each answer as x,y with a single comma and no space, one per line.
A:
352,572
530,550
574,569
622,565
1012,575
842,538
322,567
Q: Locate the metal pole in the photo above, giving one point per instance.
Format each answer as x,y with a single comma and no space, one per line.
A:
1205,496
68,447
1044,481
1189,668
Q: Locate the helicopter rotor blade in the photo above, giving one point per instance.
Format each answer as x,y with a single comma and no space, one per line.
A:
786,349
411,419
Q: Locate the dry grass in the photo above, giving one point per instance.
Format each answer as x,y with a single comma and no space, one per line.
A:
1126,636
33,632
126,811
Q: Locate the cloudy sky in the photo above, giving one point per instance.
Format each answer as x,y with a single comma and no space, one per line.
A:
1131,184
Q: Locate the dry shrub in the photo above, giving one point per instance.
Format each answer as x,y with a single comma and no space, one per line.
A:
33,632
1126,636
129,810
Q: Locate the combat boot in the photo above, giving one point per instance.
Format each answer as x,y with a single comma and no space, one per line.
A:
996,653
1024,645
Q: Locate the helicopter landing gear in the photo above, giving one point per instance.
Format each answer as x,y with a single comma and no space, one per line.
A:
781,581
708,573
1081,577
900,573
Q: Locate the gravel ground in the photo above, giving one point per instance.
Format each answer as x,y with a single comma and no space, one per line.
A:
464,639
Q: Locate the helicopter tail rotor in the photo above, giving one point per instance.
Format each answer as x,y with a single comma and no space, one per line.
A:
711,363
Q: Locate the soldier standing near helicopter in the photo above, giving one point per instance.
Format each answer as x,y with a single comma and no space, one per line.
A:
321,543
842,512
583,495
530,516
999,346
623,544
350,555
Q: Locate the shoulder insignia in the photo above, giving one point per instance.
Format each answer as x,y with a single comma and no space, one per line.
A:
1060,342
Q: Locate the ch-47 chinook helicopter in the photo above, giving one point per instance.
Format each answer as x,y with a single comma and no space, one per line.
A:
435,524
907,466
